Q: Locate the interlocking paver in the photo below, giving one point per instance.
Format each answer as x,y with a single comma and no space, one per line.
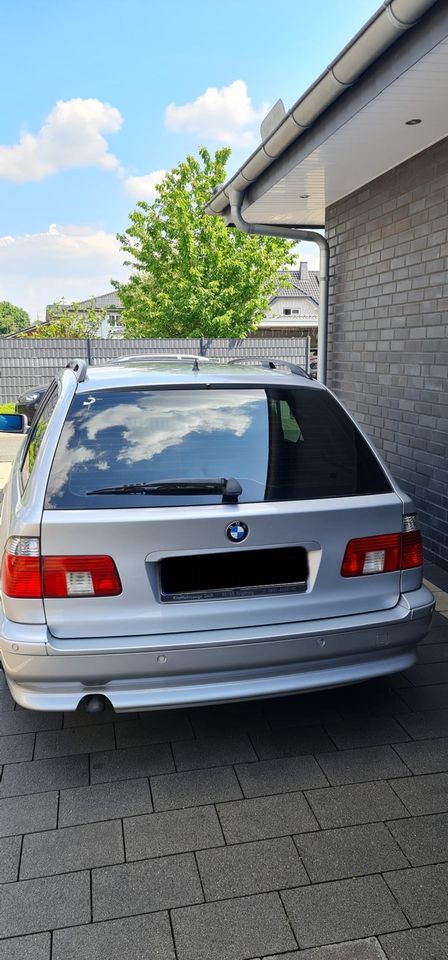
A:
422,892
121,798
72,848
232,929
176,831
6,701
13,749
272,776
131,764
265,817
369,949
145,886
35,905
247,868
428,673
342,910
9,858
154,727
430,943
349,852
423,839
365,763
44,775
366,732
335,801
423,726
35,947
212,752
228,718
355,803
426,698
193,788
425,756
291,742
65,743
425,794
35,812
140,938
28,721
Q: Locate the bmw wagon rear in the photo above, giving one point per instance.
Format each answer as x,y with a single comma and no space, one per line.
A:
177,536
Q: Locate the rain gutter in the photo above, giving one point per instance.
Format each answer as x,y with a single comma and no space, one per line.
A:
235,219
387,25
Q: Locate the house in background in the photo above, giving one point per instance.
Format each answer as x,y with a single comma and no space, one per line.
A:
108,304
294,310
363,154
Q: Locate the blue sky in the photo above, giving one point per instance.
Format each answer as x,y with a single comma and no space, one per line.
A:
86,89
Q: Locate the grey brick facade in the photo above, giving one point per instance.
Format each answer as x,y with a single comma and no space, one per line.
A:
388,349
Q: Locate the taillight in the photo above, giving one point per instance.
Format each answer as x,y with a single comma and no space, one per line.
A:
80,577
27,575
21,568
386,553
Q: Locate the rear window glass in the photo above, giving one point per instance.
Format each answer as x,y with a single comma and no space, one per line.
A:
279,444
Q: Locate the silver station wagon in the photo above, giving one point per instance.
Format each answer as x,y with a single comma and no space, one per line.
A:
176,532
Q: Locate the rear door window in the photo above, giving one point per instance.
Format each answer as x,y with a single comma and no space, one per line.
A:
37,433
279,444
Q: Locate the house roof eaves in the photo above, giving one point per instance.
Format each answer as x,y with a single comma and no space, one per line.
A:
384,28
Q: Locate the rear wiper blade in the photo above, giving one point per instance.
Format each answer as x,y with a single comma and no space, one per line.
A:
230,488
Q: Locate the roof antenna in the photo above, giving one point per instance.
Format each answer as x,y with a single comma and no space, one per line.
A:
195,366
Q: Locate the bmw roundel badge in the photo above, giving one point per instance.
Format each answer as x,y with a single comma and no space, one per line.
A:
237,531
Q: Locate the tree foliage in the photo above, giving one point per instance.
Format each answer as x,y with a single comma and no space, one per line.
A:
12,318
191,275
70,321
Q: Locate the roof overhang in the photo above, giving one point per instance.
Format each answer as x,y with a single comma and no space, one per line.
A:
359,128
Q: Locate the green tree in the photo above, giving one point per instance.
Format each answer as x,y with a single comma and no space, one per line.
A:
191,275
12,318
70,321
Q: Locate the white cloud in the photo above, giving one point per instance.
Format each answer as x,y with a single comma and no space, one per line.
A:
144,187
70,262
225,114
72,136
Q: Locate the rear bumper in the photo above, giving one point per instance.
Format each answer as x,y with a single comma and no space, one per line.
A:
216,666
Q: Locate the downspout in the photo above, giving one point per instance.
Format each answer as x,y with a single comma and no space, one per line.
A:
292,233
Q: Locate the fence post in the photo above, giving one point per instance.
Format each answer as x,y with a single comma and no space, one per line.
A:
89,352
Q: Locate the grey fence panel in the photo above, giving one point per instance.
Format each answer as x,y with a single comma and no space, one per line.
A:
27,363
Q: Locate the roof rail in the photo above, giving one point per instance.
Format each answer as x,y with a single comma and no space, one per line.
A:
79,368
272,364
158,357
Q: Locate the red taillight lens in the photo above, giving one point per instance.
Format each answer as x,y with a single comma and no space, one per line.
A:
80,577
392,551
21,568
27,575
21,576
372,555
411,550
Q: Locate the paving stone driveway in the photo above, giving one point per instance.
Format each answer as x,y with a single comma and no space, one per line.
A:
263,829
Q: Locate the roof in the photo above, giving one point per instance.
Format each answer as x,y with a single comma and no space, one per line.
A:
352,124
300,288
181,373
103,302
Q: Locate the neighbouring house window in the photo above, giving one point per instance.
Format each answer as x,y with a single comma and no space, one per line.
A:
286,312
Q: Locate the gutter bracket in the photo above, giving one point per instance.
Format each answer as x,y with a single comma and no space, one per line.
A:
292,232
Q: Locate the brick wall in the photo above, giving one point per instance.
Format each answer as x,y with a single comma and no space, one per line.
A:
388,349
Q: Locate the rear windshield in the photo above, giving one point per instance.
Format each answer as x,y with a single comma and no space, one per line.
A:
279,444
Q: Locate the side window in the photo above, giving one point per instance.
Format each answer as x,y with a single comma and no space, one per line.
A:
37,434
